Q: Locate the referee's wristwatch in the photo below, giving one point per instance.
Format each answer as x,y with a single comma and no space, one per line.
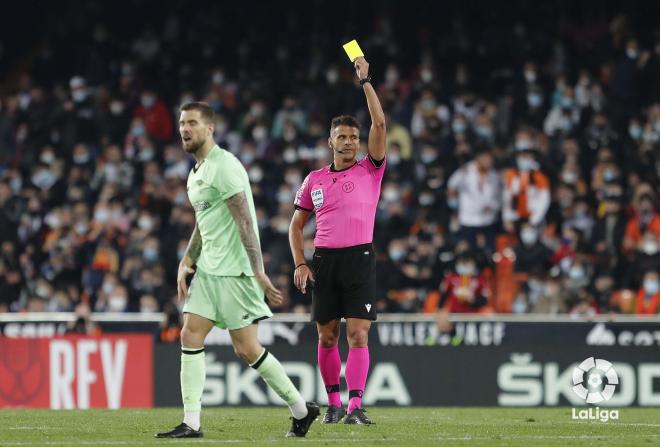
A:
365,80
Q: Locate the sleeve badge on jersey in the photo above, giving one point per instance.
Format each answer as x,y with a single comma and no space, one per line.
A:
317,198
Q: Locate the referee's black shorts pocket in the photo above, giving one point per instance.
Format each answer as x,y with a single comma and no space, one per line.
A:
359,285
361,267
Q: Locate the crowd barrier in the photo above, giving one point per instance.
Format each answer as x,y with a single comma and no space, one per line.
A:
500,360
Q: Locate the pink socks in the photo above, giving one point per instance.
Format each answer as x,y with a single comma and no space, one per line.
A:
357,367
330,366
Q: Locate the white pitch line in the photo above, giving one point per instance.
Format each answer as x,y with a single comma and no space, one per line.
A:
134,442
35,428
350,440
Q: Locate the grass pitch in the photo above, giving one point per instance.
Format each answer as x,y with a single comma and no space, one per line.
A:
395,427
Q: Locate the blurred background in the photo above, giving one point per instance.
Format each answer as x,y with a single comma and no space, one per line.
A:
523,147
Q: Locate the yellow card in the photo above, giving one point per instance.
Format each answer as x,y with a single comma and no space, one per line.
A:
353,50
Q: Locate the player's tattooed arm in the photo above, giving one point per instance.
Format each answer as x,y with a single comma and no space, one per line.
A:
240,211
194,246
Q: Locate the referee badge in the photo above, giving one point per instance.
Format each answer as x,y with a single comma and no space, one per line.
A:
317,198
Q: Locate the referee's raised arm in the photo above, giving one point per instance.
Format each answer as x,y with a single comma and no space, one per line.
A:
376,144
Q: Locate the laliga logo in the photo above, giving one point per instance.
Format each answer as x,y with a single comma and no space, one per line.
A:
595,381
598,376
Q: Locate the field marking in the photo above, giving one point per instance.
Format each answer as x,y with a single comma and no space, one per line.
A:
35,428
134,442
350,440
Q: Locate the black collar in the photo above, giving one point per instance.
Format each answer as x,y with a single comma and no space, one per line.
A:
198,165
333,169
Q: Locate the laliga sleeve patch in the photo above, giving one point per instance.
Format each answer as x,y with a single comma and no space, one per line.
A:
317,198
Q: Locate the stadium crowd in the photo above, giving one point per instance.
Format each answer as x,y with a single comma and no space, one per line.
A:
506,147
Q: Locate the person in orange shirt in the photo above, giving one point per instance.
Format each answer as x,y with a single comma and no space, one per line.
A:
526,189
463,290
648,296
645,218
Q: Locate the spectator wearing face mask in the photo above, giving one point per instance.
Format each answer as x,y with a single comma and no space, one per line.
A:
602,289
567,250
579,216
606,172
648,295
531,254
464,289
564,115
113,121
608,232
397,284
116,301
599,133
529,96
290,114
78,115
626,80
156,116
405,169
151,251
526,189
475,190
646,257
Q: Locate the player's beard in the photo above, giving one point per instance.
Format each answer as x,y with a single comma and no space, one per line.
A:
195,145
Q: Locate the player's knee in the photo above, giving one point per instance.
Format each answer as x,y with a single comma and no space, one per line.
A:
247,353
358,337
191,338
241,353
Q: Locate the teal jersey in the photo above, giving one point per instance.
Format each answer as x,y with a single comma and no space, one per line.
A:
219,177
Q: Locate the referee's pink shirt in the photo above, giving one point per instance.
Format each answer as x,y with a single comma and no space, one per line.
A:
344,202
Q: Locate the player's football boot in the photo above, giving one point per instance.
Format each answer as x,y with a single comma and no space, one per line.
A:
333,415
300,427
358,416
181,431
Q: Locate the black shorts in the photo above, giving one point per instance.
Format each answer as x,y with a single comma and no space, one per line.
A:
345,283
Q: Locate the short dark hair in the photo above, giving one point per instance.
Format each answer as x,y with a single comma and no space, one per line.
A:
344,120
203,108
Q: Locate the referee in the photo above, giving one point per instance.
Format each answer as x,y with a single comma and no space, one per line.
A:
344,197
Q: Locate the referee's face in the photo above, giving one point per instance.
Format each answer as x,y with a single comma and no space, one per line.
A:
344,142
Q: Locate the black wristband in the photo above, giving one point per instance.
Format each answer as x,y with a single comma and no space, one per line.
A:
299,265
365,80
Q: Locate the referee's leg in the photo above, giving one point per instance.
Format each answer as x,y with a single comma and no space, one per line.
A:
330,362
357,364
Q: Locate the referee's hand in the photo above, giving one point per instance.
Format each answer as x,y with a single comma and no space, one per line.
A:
361,67
300,277
273,295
